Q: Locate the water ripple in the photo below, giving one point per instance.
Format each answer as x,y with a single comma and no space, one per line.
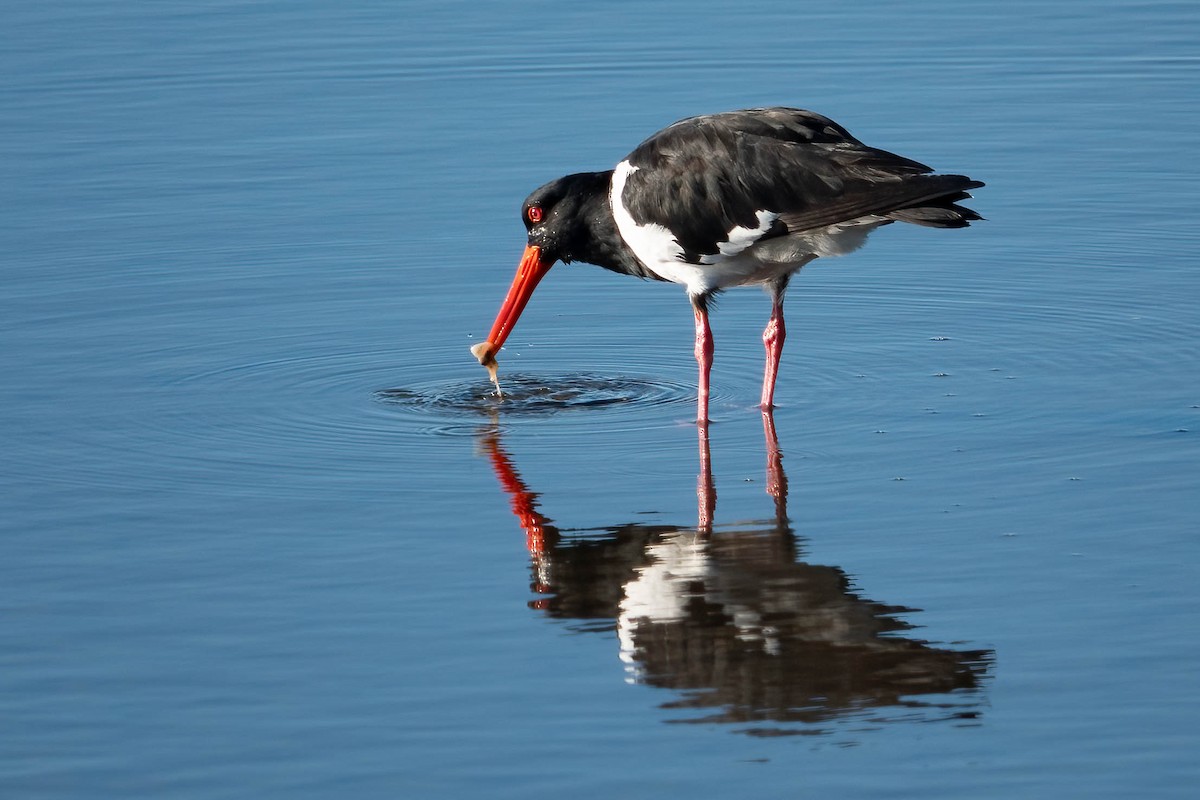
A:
290,424
527,394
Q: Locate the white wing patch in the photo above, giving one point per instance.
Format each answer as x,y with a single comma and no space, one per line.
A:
740,238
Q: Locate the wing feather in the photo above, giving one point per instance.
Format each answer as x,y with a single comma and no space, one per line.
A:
715,173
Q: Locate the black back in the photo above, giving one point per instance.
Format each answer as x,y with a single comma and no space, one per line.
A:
703,176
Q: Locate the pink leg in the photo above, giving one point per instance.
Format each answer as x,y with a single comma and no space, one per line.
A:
704,355
773,337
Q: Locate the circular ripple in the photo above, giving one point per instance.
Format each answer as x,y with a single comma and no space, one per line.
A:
526,394
353,419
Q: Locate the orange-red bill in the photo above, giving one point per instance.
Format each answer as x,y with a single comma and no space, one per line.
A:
529,272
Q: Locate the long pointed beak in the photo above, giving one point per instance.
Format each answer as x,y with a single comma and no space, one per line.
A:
529,272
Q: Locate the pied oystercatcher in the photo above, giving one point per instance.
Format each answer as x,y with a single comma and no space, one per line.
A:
733,199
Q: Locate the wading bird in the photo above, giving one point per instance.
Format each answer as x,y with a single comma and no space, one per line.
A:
734,199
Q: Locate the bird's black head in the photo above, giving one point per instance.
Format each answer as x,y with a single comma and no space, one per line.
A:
560,219
557,215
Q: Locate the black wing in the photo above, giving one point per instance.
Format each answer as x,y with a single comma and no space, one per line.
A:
714,173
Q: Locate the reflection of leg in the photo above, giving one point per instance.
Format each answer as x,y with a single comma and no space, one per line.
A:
706,493
704,353
773,337
776,479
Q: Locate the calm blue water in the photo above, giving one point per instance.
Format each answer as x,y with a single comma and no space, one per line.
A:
266,534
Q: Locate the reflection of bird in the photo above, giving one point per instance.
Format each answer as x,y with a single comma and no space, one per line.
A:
734,199
733,618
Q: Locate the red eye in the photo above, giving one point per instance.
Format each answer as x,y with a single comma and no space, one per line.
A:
534,213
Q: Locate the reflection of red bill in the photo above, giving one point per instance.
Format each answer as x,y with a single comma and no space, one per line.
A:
524,505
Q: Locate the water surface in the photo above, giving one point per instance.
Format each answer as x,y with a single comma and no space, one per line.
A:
268,532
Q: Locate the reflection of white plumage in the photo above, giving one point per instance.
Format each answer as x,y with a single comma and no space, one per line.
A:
681,573
662,590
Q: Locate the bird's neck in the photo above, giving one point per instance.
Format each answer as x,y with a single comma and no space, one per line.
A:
601,243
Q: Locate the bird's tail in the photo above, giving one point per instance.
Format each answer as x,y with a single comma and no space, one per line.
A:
942,211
